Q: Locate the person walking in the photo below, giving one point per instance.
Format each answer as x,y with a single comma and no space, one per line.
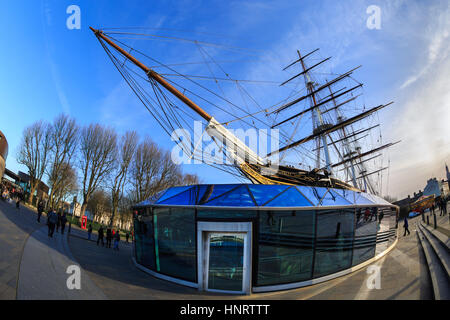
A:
100,236
405,225
116,240
52,219
58,222
127,236
444,207
108,237
18,202
40,209
63,222
89,231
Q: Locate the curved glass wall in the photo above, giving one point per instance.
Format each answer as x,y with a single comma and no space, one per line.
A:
288,246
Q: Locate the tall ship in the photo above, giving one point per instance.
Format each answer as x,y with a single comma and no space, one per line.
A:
333,149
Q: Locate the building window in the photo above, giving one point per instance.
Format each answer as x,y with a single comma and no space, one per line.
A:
175,242
286,240
334,241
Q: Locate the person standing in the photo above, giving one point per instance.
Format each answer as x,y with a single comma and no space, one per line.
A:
63,222
108,237
405,225
52,219
89,231
100,236
116,240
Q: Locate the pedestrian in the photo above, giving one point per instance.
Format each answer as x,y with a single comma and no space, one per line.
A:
100,236
18,202
52,219
116,240
405,225
40,209
63,222
89,231
58,222
108,237
127,235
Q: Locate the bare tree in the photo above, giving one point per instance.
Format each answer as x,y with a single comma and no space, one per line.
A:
67,184
153,171
98,151
145,167
63,140
34,151
98,204
189,179
127,148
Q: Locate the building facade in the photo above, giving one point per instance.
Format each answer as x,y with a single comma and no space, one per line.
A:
3,153
256,238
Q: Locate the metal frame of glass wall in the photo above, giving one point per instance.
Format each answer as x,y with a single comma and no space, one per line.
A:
291,247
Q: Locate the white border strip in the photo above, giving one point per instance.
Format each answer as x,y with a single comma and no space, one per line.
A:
164,277
295,285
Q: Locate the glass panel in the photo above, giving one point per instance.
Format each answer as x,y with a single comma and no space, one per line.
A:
286,241
348,195
217,190
360,199
187,197
237,197
334,199
226,261
226,214
172,192
139,233
365,234
264,193
310,193
289,198
334,241
175,242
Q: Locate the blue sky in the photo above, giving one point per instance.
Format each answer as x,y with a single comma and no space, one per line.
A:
48,69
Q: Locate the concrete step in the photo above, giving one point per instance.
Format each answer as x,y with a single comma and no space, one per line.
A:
443,238
439,276
441,250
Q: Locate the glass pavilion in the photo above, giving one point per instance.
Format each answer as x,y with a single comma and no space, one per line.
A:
244,238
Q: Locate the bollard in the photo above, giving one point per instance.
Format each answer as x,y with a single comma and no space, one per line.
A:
70,226
423,218
435,223
428,220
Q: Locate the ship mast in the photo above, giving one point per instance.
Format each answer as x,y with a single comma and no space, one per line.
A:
317,122
237,149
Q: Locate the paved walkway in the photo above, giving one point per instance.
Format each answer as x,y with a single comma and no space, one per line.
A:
33,266
15,228
43,270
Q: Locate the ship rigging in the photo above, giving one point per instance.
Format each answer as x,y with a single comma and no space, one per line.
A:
331,128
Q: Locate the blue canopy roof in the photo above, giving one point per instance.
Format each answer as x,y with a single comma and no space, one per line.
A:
261,195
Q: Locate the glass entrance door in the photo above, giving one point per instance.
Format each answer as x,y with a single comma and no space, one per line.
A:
224,256
226,261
